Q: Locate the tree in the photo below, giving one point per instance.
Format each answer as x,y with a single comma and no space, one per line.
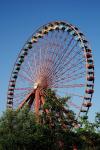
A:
88,135
19,130
59,115
97,122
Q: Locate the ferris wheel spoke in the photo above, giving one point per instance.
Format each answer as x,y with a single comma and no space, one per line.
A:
45,63
59,59
71,94
68,80
61,53
16,95
46,68
26,78
69,86
24,101
65,50
74,105
26,73
58,50
72,72
47,39
35,66
70,69
30,70
75,66
53,46
65,58
27,88
66,64
19,99
69,76
42,62
63,65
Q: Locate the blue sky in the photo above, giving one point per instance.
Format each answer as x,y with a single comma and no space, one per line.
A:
20,18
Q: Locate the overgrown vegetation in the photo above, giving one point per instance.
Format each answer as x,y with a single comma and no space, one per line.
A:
21,131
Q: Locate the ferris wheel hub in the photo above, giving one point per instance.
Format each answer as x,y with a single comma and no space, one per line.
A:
35,85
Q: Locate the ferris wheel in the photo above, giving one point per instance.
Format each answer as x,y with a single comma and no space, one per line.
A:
56,56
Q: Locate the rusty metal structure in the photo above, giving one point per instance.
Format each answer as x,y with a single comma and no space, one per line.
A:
56,56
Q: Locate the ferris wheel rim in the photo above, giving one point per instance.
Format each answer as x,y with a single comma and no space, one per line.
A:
80,38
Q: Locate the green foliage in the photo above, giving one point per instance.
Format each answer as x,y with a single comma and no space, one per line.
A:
88,134
97,122
19,130
58,114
